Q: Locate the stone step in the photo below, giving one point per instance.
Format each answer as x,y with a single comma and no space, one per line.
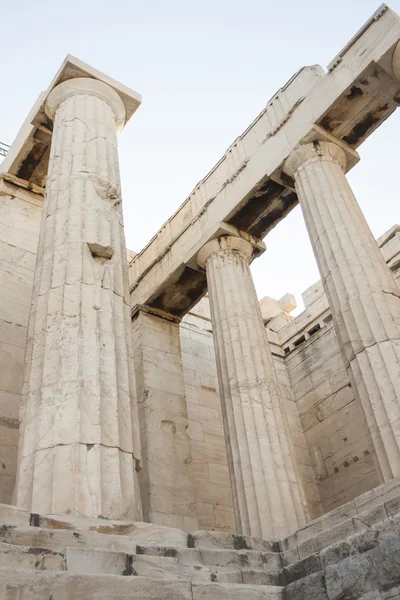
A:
304,545
143,533
155,535
12,515
224,566
373,506
81,562
22,557
42,585
227,541
92,562
270,561
58,539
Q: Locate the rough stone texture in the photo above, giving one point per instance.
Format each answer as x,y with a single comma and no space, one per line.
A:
221,591
219,540
362,293
63,586
332,418
265,482
310,587
19,226
79,445
214,504
357,558
166,480
309,372
91,562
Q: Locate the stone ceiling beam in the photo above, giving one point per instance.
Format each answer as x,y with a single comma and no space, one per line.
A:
246,188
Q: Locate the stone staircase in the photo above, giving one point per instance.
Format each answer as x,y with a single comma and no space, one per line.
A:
351,553
60,558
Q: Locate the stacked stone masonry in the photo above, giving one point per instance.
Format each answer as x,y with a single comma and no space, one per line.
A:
351,553
155,446
335,454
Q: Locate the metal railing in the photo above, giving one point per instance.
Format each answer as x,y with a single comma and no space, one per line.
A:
4,148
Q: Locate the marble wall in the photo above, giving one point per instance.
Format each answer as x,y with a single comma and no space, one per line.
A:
20,214
335,455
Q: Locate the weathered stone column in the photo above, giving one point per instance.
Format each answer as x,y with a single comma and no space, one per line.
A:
79,440
265,485
362,293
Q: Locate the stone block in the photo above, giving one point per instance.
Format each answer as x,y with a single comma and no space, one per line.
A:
215,494
82,561
261,577
214,558
226,591
13,515
360,574
62,586
58,540
22,557
361,542
227,541
167,567
205,514
391,594
311,587
209,539
392,506
225,518
138,532
357,523
223,575
290,556
302,568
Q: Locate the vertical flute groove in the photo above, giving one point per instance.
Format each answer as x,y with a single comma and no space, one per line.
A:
265,486
362,293
78,449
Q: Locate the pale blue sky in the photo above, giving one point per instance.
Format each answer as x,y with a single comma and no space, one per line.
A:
205,70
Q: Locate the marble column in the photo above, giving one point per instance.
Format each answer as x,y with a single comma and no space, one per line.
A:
79,448
362,293
265,484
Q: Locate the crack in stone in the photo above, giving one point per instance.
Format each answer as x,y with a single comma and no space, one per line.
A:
82,444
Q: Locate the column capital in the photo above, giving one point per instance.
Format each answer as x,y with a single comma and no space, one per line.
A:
86,86
227,244
312,152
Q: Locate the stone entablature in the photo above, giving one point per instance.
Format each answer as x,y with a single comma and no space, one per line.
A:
247,188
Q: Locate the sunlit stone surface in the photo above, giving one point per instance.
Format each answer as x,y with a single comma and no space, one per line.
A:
79,439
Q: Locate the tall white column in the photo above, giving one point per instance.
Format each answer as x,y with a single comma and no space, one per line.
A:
265,484
79,445
362,293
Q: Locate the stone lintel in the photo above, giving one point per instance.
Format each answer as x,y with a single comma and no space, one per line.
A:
245,187
28,155
388,235
154,312
13,186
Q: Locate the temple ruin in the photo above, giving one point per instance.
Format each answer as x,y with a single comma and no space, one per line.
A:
163,433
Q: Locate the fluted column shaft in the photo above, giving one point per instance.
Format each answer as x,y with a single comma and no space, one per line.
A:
362,293
265,485
79,439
